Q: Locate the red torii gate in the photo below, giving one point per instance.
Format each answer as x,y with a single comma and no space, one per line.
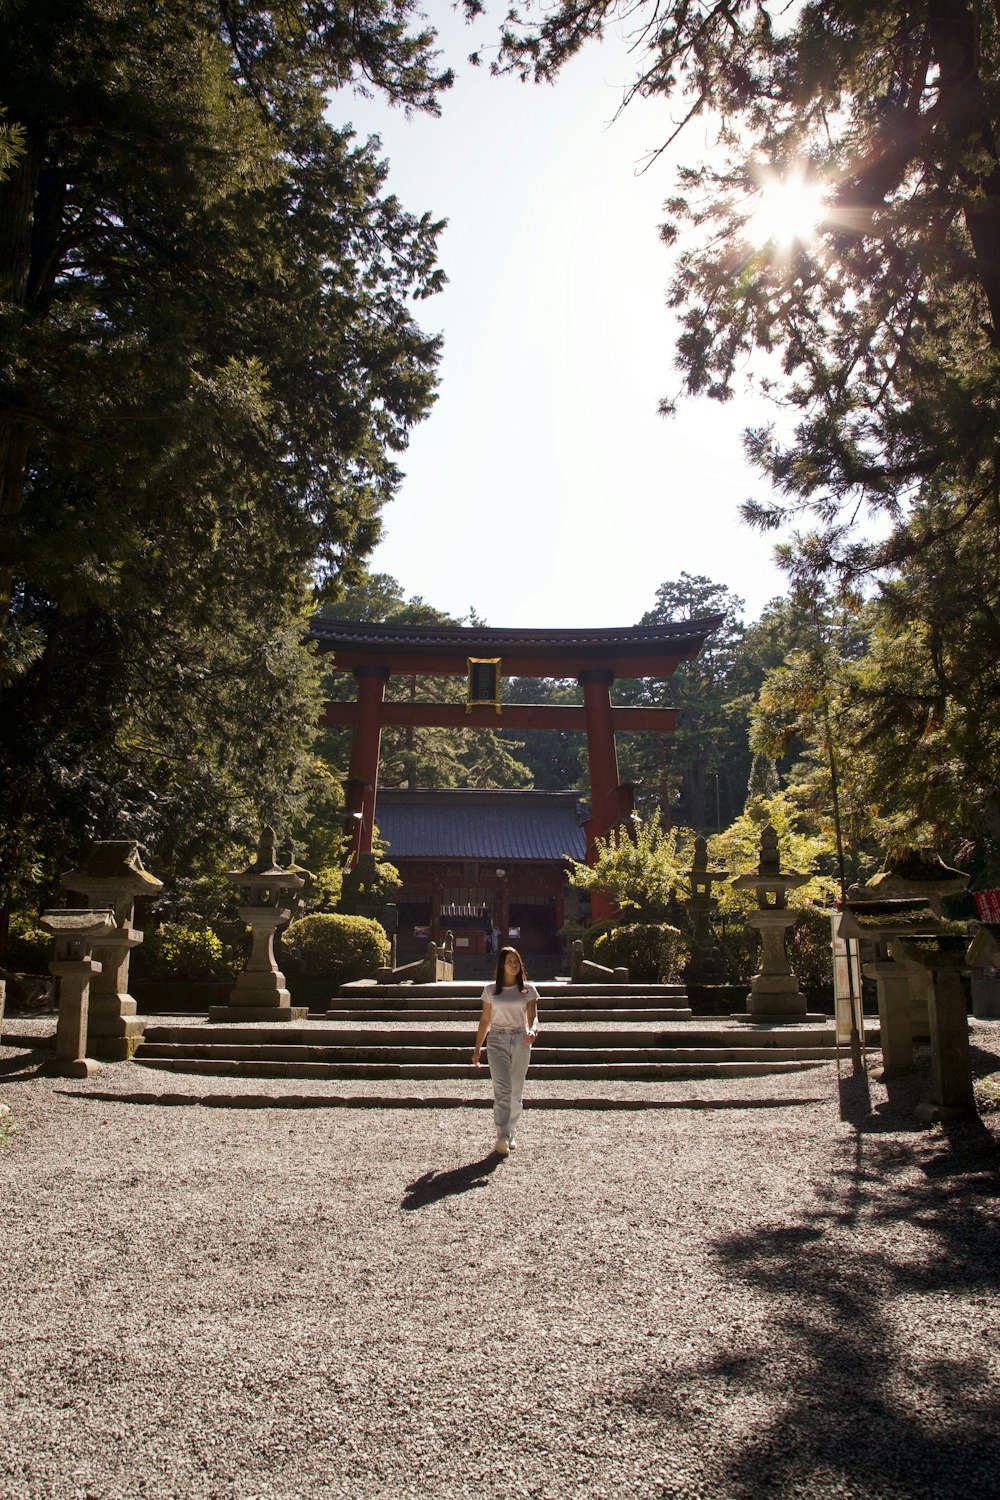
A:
373,652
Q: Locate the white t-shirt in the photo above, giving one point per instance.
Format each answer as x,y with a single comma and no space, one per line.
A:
510,1007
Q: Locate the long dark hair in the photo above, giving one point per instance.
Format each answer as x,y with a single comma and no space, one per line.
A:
522,977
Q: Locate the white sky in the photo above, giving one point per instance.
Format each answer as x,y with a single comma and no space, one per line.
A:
544,489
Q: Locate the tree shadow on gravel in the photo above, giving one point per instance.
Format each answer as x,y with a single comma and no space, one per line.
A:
20,1069
433,1186
876,1375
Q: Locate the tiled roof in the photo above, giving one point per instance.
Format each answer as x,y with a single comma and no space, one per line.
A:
494,640
425,824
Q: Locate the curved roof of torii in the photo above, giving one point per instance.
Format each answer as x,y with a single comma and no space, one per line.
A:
631,650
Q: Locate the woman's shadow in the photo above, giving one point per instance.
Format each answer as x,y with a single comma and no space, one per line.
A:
433,1186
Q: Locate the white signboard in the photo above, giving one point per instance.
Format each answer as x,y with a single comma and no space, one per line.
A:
846,973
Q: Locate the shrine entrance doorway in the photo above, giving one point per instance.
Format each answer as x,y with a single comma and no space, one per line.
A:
483,656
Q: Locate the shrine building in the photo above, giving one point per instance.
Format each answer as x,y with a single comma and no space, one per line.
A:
481,864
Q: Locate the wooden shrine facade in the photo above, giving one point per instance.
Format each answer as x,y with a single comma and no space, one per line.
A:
596,658
487,866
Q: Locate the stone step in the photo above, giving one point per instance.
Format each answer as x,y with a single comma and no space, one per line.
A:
419,1055
554,1036
634,1072
550,1014
362,993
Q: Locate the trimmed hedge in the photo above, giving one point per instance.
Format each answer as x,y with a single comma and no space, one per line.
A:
653,952
337,948
29,947
177,951
591,935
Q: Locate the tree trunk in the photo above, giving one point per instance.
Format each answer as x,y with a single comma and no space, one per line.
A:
953,26
18,192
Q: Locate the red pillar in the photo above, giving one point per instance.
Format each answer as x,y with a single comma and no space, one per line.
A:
362,778
603,760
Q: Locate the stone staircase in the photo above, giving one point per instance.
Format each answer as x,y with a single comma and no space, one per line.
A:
637,1033
460,1000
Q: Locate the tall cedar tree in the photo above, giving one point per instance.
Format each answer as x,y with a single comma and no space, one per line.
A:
696,776
881,333
207,362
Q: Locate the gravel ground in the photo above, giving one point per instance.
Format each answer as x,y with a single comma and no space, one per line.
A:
266,1304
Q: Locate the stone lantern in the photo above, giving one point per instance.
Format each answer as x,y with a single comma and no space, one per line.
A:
918,875
879,923
74,967
268,896
774,991
112,876
706,959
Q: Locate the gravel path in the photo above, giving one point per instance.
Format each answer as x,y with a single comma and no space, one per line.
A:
267,1304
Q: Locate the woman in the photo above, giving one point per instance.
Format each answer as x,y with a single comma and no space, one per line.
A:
510,1017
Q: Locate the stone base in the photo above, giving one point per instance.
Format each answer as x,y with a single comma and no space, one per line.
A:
934,1114
780,1018
73,1067
114,1039
115,1048
250,1013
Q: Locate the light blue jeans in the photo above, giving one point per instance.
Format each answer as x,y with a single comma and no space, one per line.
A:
509,1055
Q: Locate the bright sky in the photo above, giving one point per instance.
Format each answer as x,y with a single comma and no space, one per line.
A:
544,489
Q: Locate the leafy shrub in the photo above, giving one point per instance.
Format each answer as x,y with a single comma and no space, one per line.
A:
337,948
811,954
740,950
177,951
653,952
592,934
29,947
807,945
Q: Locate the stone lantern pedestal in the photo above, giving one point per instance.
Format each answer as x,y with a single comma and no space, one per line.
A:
951,1058
268,894
74,968
984,953
774,990
112,876
878,923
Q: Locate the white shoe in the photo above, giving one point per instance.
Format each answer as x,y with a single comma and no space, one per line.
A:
512,1144
502,1147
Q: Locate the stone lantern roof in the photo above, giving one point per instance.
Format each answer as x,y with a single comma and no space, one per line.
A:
112,864
919,872
769,876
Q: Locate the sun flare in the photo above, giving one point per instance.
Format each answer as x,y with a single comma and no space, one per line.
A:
788,209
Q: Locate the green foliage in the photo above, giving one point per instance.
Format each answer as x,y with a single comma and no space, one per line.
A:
174,951
337,948
879,334
29,946
801,846
880,331
653,952
740,947
644,873
591,936
811,953
697,775
208,362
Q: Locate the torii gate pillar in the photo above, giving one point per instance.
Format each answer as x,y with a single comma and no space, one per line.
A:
607,798
362,778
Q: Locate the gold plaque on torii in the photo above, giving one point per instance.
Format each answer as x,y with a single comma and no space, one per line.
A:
483,683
